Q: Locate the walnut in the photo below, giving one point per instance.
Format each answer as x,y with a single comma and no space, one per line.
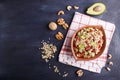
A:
61,12
76,7
65,25
59,36
52,25
60,21
79,73
69,8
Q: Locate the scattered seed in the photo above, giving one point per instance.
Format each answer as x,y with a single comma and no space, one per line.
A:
59,73
109,56
65,74
56,69
42,42
76,7
110,63
108,69
49,67
69,8
61,12
49,38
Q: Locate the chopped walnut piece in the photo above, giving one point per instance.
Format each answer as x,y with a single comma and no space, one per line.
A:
65,74
79,73
48,51
56,69
61,12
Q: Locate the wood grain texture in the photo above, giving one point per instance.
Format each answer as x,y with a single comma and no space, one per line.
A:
24,24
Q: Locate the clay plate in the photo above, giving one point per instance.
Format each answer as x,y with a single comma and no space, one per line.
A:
102,48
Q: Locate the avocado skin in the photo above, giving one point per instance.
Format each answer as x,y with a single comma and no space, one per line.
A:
91,11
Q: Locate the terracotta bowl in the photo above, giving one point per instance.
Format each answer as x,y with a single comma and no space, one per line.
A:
102,48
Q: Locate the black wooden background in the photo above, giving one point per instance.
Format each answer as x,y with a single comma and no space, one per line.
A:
24,24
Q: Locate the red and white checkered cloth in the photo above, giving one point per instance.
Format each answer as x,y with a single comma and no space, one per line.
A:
66,56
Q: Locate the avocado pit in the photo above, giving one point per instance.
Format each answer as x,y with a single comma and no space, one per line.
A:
97,8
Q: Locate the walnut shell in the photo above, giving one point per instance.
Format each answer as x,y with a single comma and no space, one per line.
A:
52,25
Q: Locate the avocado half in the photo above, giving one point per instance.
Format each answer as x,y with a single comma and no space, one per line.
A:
96,9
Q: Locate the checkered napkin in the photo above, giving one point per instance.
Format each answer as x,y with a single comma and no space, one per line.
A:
66,56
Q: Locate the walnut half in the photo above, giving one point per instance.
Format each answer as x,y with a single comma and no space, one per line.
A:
60,21
65,25
59,36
